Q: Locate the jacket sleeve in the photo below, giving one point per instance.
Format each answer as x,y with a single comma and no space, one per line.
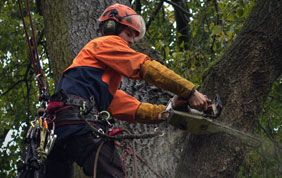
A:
115,53
123,106
127,108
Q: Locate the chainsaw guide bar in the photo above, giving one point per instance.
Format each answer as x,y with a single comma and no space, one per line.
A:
198,124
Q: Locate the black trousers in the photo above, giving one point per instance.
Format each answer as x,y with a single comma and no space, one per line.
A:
82,150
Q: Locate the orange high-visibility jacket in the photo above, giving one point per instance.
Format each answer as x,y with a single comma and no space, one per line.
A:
97,71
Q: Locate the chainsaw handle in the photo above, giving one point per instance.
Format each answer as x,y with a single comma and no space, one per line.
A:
213,111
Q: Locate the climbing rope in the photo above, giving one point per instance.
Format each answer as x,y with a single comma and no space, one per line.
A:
33,54
127,150
102,134
40,139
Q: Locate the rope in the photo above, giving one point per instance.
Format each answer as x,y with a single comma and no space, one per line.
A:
122,137
134,160
96,160
130,151
33,53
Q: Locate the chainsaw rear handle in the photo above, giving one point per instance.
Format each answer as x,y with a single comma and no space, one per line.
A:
213,111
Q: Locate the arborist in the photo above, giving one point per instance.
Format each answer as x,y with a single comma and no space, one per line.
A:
92,81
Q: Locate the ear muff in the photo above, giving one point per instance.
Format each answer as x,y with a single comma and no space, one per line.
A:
109,27
126,17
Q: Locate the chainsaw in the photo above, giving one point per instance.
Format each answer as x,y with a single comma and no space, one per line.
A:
204,122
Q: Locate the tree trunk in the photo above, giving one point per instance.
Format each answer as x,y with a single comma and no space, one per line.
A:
69,26
182,23
243,78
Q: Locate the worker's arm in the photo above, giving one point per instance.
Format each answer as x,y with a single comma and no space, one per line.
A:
159,75
127,108
115,53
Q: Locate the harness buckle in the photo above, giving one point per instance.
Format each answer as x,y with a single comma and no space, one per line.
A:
101,131
105,116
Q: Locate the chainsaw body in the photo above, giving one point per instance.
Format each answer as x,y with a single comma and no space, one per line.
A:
194,121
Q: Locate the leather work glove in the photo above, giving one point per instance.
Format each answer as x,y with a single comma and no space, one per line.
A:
152,114
149,113
157,74
196,100
199,101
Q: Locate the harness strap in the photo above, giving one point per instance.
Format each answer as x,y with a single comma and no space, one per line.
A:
61,98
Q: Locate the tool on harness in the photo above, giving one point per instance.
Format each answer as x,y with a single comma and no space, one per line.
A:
40,141
204,122
50,140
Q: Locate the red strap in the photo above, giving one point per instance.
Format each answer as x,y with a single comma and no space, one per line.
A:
115,131
54,105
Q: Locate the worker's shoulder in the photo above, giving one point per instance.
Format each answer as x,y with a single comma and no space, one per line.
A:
109,39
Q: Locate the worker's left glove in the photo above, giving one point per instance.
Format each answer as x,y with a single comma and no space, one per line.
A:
149,113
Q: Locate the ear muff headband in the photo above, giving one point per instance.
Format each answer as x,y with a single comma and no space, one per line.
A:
111,26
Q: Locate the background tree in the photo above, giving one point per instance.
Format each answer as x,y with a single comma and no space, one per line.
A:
243,77
253,61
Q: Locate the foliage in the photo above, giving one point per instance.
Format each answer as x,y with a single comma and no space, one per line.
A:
18,90
213,28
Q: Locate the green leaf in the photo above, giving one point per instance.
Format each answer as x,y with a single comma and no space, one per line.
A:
216,30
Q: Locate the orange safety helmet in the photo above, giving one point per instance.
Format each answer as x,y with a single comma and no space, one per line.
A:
122,14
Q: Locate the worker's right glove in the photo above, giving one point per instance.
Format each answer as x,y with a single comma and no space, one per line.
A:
159,75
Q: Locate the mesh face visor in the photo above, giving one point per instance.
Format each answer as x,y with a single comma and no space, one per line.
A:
136,23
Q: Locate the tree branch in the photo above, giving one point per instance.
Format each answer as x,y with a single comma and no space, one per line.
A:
138,6
159,6
178,7
182,27
3,136
12,87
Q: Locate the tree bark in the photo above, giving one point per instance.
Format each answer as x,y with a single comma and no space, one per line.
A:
69,26
243,78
